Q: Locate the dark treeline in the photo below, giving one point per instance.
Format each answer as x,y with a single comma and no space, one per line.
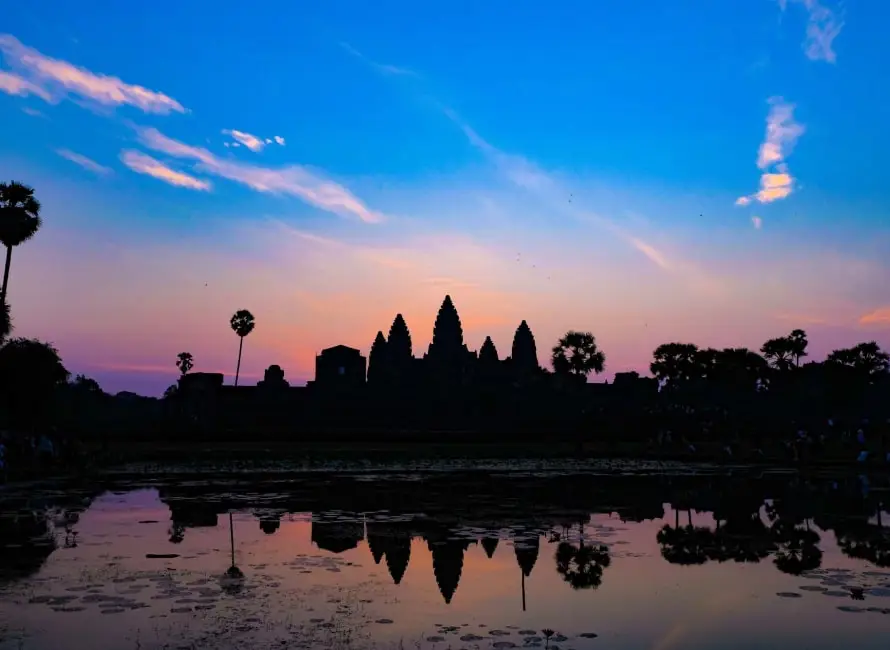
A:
734,402
742,518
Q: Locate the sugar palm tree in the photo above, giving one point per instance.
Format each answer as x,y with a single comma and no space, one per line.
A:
19,221
5,321
185,362
242,324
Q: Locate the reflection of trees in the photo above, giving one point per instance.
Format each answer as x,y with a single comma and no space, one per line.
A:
797,550
177,533
797,547
26,544
862,540
582,566
686,545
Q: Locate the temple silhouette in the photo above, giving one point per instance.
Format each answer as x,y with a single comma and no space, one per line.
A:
448,387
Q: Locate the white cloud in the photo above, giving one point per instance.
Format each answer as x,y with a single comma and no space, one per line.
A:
782,132
83,161
757,222
252,142
12,84
143,164
292,180
248,140
51,79
823,26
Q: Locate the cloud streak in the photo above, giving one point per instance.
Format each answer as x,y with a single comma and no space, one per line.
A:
13,84
84,162
292,180
52,79
383,68
782,132
823,26
877,317
144,164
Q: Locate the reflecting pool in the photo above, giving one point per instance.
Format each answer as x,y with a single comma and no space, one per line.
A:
509,556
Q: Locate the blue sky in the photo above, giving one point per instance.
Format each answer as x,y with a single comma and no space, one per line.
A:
695,170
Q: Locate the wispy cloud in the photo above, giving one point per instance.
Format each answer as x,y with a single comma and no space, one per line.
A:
757,222
782,132
51,79
877,317
12,84
525,174
383,68
83,161
823,26
292,180
143,164
33,112
252,142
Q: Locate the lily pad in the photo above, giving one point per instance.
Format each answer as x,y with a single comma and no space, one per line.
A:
788,594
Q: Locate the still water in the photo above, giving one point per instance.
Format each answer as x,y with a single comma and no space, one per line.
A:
617,557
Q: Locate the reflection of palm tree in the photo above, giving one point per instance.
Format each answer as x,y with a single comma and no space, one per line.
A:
687,545
582,566
177,533
865,541
797,547
797,551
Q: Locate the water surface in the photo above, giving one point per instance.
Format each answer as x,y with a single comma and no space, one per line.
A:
607,557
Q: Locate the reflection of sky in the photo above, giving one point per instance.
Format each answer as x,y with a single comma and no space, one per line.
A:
643,602
573,170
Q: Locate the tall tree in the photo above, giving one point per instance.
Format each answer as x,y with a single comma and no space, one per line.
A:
577,355
675,364
30,372
780,352
798,344
867,359
5,321
185,362
19,222
242,324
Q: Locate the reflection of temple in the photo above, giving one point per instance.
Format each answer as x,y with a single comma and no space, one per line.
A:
448,563
337,537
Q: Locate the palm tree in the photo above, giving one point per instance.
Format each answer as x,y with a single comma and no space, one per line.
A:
5,321
577,355
242,323
185,362
19,221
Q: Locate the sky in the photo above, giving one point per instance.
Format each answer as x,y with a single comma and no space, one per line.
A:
707,172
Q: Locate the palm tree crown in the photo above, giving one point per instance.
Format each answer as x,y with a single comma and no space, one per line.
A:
19,221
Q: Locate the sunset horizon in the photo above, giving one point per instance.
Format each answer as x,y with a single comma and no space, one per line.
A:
691,175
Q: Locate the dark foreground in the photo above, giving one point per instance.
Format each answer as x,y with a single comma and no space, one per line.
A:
446,554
